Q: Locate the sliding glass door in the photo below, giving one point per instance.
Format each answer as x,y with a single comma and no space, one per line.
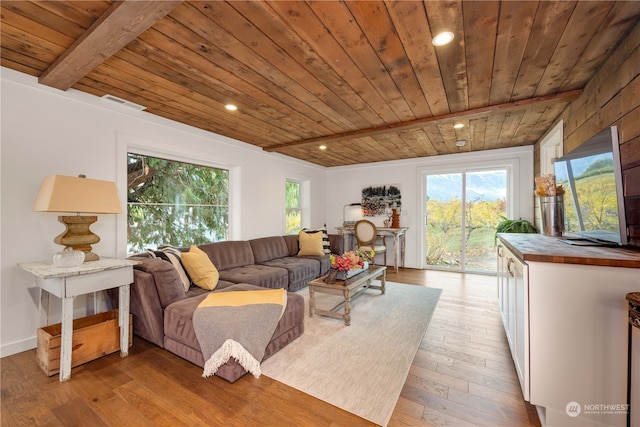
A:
462,210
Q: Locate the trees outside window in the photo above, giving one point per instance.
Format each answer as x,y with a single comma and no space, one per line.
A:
462,211
293,207
176,203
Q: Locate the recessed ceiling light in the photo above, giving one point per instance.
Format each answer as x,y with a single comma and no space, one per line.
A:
461,143
323,147
231,107
458,126
442,39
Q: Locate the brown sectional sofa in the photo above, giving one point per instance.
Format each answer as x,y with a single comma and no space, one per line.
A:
162,310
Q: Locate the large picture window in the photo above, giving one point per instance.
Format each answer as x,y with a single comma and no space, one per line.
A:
176,203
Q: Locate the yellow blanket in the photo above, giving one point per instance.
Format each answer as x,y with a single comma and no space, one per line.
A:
237,324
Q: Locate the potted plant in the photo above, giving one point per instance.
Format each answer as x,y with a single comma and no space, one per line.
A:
514,226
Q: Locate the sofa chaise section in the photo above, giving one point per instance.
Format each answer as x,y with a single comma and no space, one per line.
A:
162,314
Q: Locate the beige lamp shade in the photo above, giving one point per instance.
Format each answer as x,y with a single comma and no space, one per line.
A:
59,193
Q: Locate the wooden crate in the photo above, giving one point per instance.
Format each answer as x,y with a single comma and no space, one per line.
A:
93,337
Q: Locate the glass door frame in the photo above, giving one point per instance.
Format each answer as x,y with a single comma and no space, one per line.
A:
520,184
462,268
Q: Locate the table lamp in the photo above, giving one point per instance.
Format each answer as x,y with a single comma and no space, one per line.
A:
60,193
351,213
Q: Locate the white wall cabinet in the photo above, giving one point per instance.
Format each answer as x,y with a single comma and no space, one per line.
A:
565,317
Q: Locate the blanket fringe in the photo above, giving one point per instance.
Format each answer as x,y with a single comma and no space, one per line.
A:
231,348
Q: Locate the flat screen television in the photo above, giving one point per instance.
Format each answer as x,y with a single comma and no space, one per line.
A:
593,202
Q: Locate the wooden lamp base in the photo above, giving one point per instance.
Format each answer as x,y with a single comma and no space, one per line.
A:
78,235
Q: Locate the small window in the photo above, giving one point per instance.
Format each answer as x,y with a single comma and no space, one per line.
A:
293,207
175,203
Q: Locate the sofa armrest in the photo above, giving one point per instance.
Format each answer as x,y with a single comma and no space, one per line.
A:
145,307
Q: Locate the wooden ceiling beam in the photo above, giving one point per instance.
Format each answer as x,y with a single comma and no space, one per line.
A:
112,31
414,124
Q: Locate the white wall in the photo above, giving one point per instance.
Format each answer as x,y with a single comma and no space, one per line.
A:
344,186
46,132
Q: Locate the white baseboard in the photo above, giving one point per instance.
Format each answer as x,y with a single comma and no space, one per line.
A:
18,346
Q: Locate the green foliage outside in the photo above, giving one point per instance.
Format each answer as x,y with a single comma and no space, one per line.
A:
444,232
598,202
294,212
175,203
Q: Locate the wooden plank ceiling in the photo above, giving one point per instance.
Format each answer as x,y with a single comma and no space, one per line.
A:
360,77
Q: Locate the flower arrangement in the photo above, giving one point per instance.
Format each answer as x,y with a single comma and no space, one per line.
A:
366,255
351,260
546,186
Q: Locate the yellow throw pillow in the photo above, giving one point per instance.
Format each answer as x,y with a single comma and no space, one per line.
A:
200,268
310,244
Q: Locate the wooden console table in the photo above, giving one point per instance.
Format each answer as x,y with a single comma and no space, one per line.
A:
67,283
398,235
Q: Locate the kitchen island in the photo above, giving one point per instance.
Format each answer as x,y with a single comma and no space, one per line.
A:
565,316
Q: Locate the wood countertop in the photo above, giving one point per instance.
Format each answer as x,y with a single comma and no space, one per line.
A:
537,247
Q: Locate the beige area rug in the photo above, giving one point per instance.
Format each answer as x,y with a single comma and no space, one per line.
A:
360,368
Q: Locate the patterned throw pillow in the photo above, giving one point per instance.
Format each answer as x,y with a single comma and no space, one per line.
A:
326,245
174,256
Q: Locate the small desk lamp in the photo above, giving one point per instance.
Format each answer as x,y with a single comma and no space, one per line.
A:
351,213
60,193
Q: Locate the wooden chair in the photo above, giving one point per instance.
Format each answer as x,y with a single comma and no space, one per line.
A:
366,234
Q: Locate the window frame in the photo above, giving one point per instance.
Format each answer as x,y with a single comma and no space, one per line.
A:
299,208
128,143
165,205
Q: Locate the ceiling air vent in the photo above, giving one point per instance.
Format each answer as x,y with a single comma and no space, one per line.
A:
124,102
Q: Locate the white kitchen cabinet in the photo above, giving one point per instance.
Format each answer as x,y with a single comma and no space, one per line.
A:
513,297
565,317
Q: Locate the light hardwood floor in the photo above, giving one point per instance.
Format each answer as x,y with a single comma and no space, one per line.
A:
462,375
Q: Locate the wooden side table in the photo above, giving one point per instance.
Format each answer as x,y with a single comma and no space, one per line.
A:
633,299
67,283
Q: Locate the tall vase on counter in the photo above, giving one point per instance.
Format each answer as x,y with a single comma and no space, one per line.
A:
551,205
552,212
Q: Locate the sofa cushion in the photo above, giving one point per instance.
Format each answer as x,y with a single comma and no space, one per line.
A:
201,270
310,243
259,275
229,254
167,280
267,248
301,270
292,244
